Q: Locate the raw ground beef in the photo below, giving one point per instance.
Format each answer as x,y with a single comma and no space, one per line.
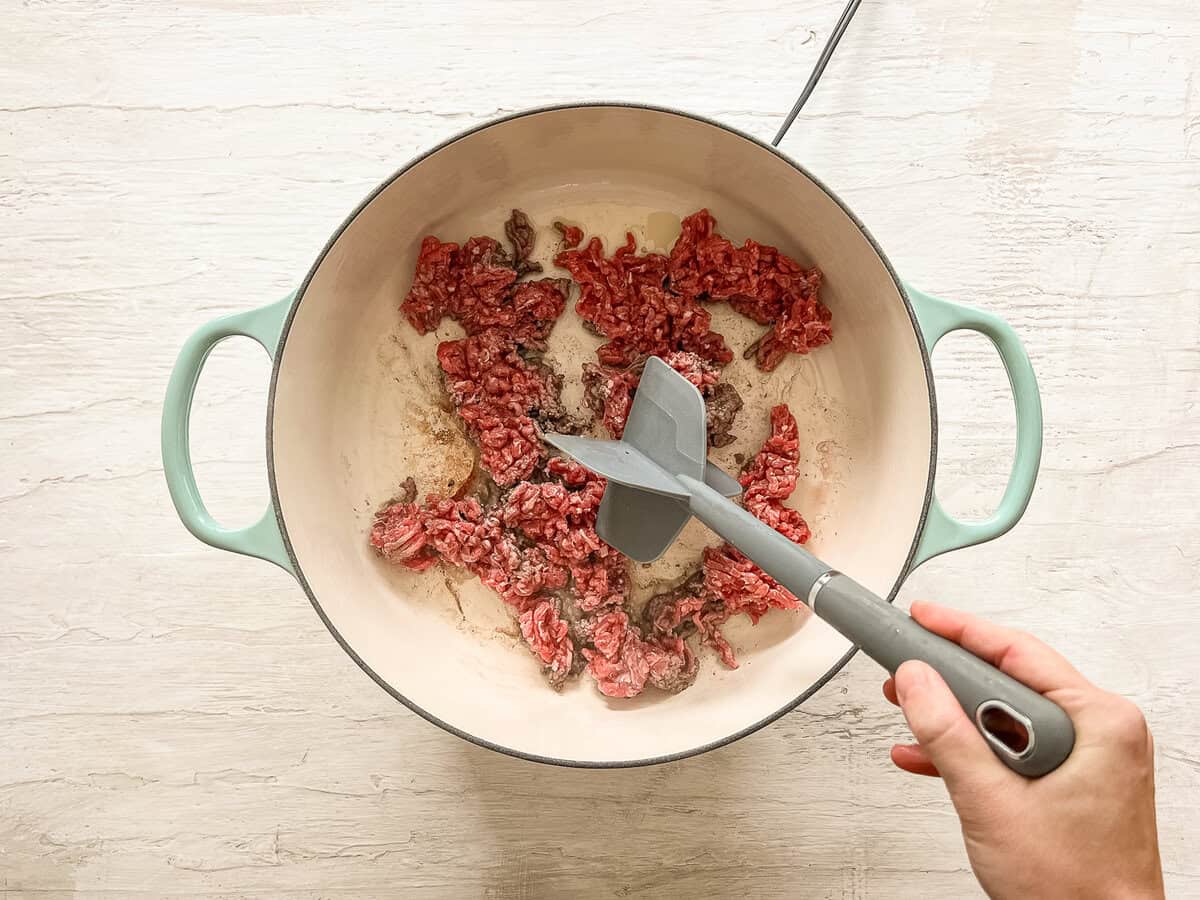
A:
624,298
526,523
457,282
499,391
671,611
721,405
549,637
522,235
398,535
622,662
465,534
572,235
758,281
559,514
498,394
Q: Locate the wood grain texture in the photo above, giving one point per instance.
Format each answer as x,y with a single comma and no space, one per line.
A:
177,721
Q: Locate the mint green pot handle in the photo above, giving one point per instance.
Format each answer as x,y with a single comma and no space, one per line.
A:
262,539
944,533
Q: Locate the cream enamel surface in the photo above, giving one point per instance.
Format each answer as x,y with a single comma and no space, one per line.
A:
356,411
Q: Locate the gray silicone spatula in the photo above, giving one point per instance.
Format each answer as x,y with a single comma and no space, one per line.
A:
659,477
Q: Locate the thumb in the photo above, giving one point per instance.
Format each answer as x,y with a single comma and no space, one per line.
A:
950,739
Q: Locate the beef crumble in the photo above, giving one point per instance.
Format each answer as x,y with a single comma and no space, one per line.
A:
522,235
572,235
722,404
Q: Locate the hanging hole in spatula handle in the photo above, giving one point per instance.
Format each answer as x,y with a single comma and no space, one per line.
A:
1009,732
1030,733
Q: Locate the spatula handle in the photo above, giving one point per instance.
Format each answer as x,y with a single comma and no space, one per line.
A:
1029,733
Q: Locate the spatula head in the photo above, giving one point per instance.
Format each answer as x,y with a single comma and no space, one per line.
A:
667,421
645,506
640,524
621,463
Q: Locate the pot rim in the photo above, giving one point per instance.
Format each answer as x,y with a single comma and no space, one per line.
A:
453,729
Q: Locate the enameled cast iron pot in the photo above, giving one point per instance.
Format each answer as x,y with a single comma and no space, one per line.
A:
354,408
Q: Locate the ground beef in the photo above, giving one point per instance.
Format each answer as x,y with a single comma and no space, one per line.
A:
617,658
476,285
457,282
609,632
522,235
769,479
549,636
608,392
529,311
497,393
758,281
463,533
398,535
519,574
623,662
741,585
709,623
625,298
572,236
803,326
624,673
687,609
558,515
524,524
670,613
672,664
722,403
539,541
600,581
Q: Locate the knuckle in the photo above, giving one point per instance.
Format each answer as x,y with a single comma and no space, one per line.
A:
943,731
1128,724
1021,646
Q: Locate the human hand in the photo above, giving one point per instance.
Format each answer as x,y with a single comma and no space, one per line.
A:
1085,830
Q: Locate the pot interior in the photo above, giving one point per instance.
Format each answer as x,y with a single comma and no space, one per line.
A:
357,408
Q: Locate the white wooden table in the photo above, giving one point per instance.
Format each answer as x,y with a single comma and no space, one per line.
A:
176,721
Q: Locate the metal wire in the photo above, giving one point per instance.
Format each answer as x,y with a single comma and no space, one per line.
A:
823,60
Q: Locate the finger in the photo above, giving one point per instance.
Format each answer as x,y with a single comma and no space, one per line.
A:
911,758
889,691
950,740
1020,655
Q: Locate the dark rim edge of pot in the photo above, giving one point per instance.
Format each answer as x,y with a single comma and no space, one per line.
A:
482,742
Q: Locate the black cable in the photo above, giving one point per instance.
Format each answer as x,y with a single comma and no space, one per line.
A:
838,30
